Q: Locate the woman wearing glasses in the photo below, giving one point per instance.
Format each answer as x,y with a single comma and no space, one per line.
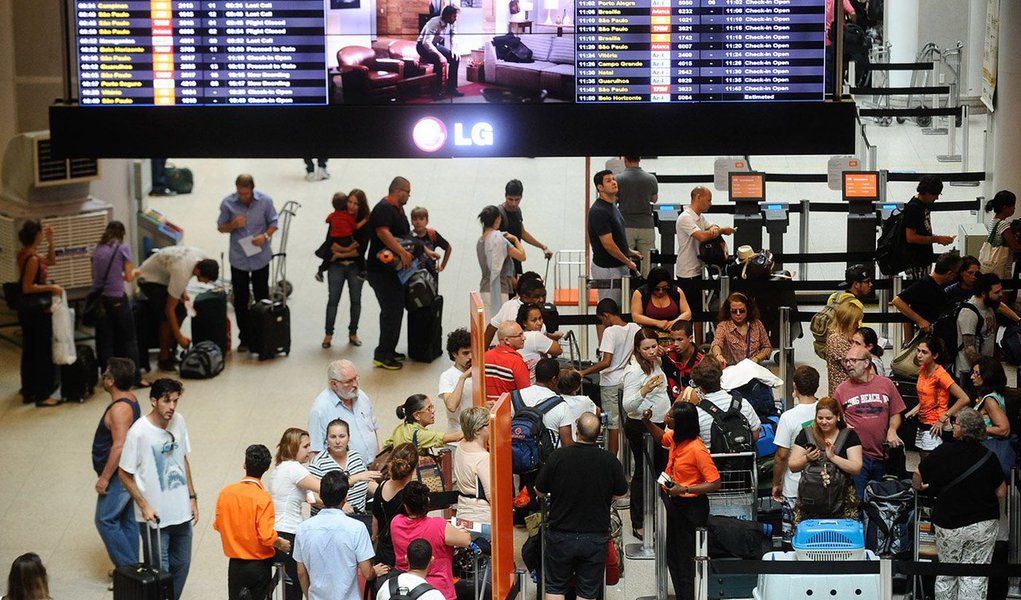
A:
290,484
740,334
417,413
659,303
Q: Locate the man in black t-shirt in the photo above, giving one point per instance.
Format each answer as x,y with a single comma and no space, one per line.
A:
513,222
925,300
387,223
611,257
918,226
581,482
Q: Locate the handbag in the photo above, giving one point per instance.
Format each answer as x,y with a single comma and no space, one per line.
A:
904,364
30,303
991,258
95,310
711,252
63,348
429,470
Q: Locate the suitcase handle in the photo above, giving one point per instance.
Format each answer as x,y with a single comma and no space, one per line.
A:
158,566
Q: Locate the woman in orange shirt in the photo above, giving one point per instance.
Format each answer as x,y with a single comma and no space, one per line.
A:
935,386
692,476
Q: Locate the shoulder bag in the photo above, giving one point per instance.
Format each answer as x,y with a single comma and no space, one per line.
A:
20,301
993,258
95,310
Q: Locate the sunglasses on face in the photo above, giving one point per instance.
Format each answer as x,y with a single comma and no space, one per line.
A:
738,311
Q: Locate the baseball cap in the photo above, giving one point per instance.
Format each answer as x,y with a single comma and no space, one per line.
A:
854,274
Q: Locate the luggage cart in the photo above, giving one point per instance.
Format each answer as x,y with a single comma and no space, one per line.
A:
740,481
924,545
280,288
567,272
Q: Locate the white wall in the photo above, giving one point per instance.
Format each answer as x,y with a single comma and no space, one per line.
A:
349,27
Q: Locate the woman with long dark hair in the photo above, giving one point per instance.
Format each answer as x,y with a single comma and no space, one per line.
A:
935,387
659,303
38,373
27,579
740,334
348,266
111,268
388,501
990,384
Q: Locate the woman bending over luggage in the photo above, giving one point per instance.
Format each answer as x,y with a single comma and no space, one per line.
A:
828,456
38,373
967,482
935,386
692,475
111,268
740,334
339,457
289,484
538,345
419,412
644,387
990,384
441,535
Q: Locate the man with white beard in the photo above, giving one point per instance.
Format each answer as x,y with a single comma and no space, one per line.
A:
343,400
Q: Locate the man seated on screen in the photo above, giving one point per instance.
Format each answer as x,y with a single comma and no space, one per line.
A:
432,49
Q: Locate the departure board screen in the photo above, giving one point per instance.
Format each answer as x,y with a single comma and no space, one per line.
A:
360,52
700,50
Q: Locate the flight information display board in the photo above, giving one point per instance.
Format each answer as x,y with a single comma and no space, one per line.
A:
700,50
191,52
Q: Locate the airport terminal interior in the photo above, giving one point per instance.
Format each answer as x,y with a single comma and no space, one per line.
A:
47,495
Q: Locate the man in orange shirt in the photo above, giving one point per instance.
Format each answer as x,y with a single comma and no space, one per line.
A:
244,518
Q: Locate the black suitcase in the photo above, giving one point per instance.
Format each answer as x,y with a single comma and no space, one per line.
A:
425,332
210,320
271,329
78,380
141,581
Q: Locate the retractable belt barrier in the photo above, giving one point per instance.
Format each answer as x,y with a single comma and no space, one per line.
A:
900,91
917,66
823,177
860,567
950,111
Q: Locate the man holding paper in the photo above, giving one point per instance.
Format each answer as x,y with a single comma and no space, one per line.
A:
251,220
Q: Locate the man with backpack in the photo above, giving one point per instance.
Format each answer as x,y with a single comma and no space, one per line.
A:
727,423
857,285
872,407
412,584
581,482
555,415
976,324
925,300
918,235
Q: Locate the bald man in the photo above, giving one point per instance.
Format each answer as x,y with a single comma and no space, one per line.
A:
692,230
387,223
581,481
506,371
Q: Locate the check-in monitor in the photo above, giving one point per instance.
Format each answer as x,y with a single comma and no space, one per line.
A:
860,186
748,186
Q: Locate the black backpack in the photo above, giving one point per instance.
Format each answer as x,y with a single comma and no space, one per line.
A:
202,361
822,490
420,290
730,432
403,593
889,515
945,328
891,247
531,442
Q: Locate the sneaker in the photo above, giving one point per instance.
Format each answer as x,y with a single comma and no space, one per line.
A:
319,276
399,357
322,173
390,365
311,176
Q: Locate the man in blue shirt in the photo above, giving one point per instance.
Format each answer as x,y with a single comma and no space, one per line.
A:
250,219
332,549
343,400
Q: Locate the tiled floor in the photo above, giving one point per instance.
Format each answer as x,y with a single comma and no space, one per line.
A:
46,485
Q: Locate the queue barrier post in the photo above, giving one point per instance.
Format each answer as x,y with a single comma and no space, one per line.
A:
951,155
1014,527
786,353
623,446
583,309
645,550
724,287
543,506
965,147
662,571
625,293
701,563
803,226
885,579
897,331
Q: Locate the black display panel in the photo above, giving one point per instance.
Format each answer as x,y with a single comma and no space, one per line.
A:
353,52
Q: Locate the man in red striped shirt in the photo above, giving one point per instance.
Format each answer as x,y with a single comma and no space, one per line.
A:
506,371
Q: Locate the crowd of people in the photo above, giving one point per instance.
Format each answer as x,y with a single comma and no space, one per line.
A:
368,493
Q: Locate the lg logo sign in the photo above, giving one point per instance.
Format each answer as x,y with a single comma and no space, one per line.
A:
430,134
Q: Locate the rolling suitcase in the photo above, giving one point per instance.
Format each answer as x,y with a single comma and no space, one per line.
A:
142,581
271,329
78,380
210,321
425,332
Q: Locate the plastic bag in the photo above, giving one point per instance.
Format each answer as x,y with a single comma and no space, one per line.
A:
63,332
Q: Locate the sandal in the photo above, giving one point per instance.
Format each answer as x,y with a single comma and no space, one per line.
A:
48,402
354,340
327,341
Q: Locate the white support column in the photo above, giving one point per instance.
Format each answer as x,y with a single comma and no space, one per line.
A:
1006,120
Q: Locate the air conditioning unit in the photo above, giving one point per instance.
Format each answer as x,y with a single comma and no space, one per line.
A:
31,175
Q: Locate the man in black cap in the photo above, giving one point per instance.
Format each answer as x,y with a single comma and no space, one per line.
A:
857,281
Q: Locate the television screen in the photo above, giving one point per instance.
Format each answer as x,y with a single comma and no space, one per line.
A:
747,187
364,52
861,185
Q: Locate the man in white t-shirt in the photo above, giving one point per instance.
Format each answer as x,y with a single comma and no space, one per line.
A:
154,469
530,290
692,230
798,417
420,556
615,349
164,278
706,377
456,382
976,324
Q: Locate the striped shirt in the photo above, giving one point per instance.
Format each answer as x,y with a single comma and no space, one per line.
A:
506,371
323,463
